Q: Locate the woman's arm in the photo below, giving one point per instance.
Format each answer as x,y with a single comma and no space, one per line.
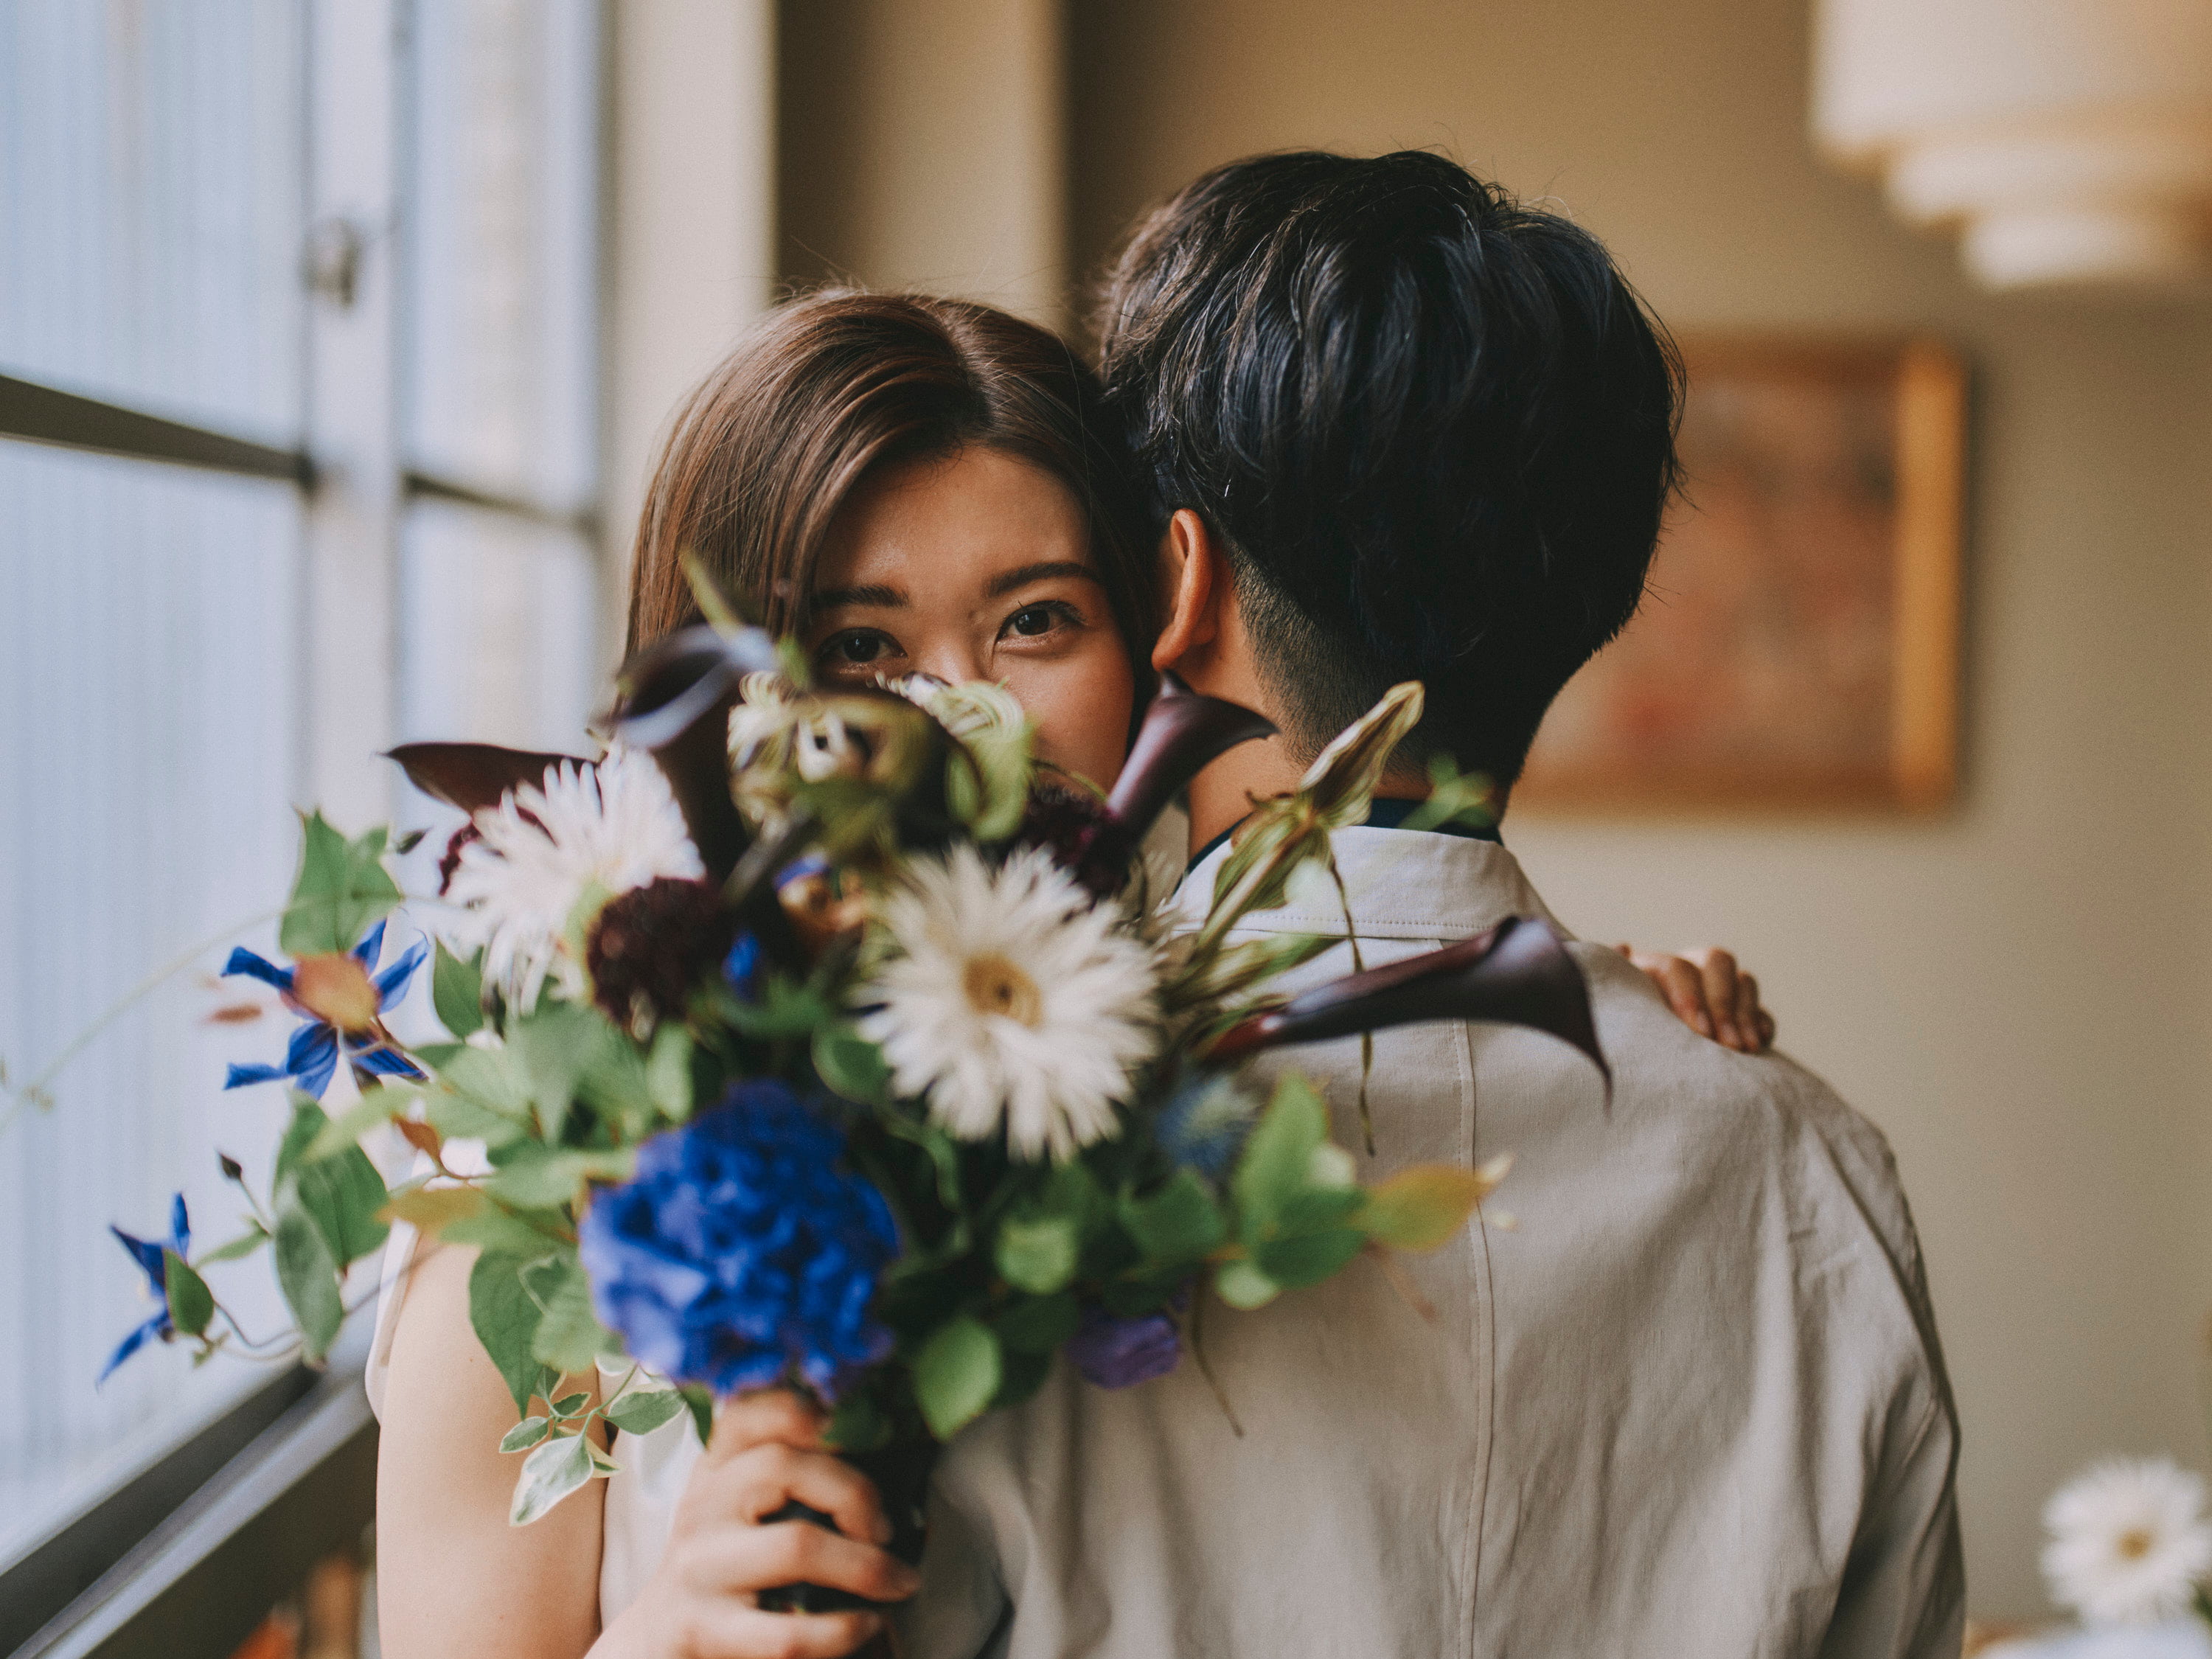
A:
454,1580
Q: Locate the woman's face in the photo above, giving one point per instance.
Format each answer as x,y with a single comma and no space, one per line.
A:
977,566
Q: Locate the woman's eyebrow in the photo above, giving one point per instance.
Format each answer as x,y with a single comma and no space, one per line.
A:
829,599
1041,571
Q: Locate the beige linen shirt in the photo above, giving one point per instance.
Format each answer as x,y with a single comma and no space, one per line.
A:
1691,1404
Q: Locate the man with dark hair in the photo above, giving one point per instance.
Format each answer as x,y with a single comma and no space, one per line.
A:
1398,427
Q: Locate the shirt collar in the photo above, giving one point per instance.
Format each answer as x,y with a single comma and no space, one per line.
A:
1384,812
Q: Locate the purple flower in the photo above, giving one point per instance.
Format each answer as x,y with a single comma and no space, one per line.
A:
155,1265
341,1001
742,1254
1119,1354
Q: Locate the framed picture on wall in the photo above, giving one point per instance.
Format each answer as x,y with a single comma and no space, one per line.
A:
1799,644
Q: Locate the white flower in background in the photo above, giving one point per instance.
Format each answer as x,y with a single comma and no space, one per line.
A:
2127,1541
607,828
1013,1001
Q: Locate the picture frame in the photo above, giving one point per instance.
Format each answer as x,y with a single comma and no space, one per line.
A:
1798,647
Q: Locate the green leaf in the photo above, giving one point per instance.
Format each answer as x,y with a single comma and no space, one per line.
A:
1243,1286
569,1338
858,1424
1022,1375
702,1406
1420,1208
1279,1155
1038,1324
308,1122
1294,1263
309,1278
556,1046
851,1066
378,1105
1038,1255
500,1233
506,1318
192,1304
569,1404
1180,1222
645,1410
1318,1209
456,990
536,1178
526,1434
668,1072
784,1009
955,1376
343,1192
341,888
245,1244
549,1474
484,1096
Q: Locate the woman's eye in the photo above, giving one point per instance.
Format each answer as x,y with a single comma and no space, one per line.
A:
1032,620
856,648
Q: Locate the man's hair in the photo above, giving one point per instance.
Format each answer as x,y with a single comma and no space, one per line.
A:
1433,428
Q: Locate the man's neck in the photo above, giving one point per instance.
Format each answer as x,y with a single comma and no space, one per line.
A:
1224,793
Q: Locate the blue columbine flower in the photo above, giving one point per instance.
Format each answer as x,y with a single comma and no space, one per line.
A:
151,1262
742,1254
343,1002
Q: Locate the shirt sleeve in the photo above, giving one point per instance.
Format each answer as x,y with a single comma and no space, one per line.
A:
1903,1594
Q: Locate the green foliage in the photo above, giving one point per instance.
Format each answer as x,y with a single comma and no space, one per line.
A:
784,1009
851,1066
456,990
1180,1222
504,1232
1420,1208
538,1177
343,1192
192,1304
526,1434
668,1073
956,1375
482,1094
702,1406
505,1317
1038,1256
1038,1324
1456,799
377,1105
859,1424
555,1047
1279,1155
308,1275
244,1245
570,1337
559,1465
341,888
643,1411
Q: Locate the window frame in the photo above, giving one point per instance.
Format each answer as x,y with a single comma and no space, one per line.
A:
186,1556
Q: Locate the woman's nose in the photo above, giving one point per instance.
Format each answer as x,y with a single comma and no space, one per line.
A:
951,660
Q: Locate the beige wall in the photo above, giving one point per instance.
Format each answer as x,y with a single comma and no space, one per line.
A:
2019,993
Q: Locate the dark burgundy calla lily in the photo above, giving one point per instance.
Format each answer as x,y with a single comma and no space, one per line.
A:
1182,731
677,700
1518,973
473,775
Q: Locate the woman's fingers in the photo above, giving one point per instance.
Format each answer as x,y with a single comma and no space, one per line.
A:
756,1484
747,1421
1680,982
1716,969
745,1560
738,1631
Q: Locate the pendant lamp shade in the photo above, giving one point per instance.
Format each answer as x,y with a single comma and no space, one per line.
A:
2069,141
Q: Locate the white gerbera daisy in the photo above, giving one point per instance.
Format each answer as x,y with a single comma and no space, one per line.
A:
613,826
2127,1541
1013,1001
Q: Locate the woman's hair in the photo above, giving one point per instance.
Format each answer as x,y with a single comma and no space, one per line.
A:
832,386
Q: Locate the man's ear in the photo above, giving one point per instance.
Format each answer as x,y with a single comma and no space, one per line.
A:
1194,584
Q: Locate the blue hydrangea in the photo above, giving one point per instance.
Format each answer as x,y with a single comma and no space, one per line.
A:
742,1254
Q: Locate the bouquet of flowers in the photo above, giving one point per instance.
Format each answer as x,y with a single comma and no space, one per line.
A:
825,1037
